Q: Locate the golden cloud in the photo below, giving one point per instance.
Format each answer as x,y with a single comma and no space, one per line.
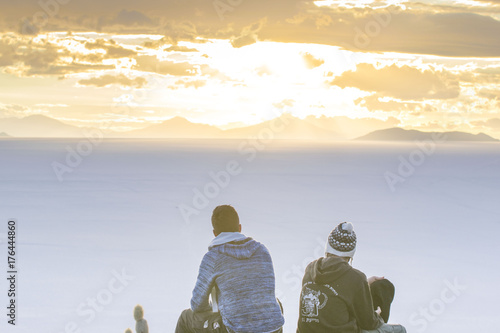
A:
188,84
492,123
432,29
405,82
26,57
121,79
177,48
312,62
112,50
376,102
152,64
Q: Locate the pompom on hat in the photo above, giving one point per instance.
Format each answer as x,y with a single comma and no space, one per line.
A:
342,240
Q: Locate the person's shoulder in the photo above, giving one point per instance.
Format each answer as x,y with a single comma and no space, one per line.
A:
211,254
314,262
311,266
357,274
258,245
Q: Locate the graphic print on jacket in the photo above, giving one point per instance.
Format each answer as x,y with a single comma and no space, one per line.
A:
311,302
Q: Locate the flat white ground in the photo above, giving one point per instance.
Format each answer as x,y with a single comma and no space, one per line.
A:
119,210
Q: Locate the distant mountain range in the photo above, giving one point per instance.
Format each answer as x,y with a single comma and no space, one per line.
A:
177,127
399,134
38,126
283,127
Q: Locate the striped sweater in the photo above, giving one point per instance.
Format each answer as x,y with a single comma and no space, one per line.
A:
243,274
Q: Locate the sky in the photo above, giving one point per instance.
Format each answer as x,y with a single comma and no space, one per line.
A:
432,65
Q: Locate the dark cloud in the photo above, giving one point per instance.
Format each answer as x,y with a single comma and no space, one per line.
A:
406,83
489,93
244,40
131,18
112,49
120,79
128,12
411,31
24,57
422,30
483,75
492,123
177,48
63,69
248,34
8,47
167,67
490,1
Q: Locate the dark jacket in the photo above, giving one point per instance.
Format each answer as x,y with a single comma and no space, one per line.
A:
243,273
335,298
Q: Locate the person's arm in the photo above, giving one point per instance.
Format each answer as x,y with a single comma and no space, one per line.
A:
374,278
204,285
367,318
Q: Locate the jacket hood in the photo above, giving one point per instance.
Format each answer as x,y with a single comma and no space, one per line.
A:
324,270
242,249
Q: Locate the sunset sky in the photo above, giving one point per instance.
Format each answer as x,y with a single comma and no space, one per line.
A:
433,65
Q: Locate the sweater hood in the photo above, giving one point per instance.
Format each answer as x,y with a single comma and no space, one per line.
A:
242,249
324,270
226,237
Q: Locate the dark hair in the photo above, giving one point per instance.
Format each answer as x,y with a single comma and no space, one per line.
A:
225,219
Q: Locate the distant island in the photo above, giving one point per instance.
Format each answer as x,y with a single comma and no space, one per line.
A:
400,134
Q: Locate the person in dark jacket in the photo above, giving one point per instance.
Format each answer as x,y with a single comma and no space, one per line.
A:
337,298
241,272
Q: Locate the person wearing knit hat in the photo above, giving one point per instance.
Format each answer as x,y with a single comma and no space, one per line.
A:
342,241
336,297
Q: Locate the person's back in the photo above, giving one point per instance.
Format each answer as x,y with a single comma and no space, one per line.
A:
342,298
337,298
241,270
243,273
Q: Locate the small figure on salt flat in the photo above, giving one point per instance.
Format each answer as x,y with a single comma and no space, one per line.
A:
141,325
